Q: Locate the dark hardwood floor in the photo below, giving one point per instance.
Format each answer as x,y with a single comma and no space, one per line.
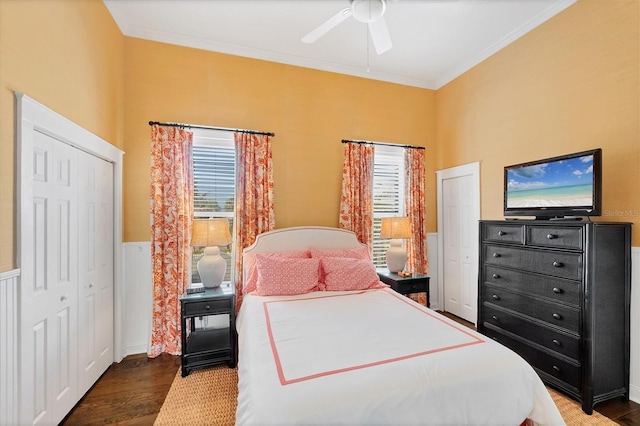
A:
131,393
128,393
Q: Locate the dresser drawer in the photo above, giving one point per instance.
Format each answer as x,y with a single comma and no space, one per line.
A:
568,345
547,236
550,313
503,232
558,289
209,307
554,263
557,367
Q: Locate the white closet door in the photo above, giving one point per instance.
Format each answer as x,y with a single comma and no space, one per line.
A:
95,289
50,297
459,225
68,251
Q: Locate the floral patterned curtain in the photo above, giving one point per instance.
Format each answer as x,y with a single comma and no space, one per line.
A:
254,196
415,210
171,219
356,201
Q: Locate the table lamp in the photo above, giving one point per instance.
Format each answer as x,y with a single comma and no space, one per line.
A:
211,233
396,228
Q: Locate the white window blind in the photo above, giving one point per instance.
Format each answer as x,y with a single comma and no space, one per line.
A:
388,195
214,190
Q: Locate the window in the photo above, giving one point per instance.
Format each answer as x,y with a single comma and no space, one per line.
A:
388,195
214,163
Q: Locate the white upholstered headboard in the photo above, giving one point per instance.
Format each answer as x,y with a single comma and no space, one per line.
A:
303,237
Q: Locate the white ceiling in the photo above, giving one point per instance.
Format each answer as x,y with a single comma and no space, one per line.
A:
434,41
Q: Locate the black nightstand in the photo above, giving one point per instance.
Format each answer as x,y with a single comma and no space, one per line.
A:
418,283
202,346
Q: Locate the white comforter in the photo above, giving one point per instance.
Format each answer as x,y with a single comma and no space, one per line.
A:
375,357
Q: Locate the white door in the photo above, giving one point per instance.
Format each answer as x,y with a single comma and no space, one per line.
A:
95,289
58,303
49,289
458,216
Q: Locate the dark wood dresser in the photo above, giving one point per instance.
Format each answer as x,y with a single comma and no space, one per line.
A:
558,294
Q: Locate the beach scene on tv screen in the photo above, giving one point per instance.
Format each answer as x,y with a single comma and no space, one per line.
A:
563,183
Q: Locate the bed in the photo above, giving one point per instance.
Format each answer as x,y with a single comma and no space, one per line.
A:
352,351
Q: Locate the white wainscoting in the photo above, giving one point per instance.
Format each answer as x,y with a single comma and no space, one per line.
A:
138,297
634,371
9,282
432,271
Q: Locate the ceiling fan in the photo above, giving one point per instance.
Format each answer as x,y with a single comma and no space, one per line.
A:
370,12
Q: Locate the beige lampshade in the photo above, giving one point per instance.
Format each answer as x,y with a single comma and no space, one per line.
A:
210,232
395,228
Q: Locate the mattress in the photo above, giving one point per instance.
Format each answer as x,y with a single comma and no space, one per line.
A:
376,357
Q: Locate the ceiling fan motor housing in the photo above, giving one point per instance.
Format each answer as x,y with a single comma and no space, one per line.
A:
368,11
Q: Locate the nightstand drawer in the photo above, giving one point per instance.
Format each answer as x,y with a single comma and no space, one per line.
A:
207,307
412,287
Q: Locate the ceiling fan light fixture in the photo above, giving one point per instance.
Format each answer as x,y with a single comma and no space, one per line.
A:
368,11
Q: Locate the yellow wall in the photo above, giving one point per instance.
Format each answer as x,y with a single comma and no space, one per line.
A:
309,111
69,56
571,84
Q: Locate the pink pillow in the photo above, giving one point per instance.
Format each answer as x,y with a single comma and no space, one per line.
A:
361,252
278,276
249,259
342,274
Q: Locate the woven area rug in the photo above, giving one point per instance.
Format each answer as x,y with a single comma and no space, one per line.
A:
572,412
205,397
209,397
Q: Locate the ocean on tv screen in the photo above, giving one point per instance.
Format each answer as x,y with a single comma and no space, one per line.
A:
565,196
562,183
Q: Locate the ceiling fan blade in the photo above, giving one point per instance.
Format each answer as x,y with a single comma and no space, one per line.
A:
380,36
327,26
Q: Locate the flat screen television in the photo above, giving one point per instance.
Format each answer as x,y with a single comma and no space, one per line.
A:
555,188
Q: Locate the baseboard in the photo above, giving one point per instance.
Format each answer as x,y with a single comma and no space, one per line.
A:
136,348
634,393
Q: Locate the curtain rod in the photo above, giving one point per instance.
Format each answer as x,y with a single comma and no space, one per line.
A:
382,143
196,126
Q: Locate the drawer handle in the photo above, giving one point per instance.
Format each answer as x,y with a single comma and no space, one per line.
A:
496,254
551,237
496,276
415,286
557,264
496,297
556,342
555,367
557,290
557,316
501,233
207,307
493,317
